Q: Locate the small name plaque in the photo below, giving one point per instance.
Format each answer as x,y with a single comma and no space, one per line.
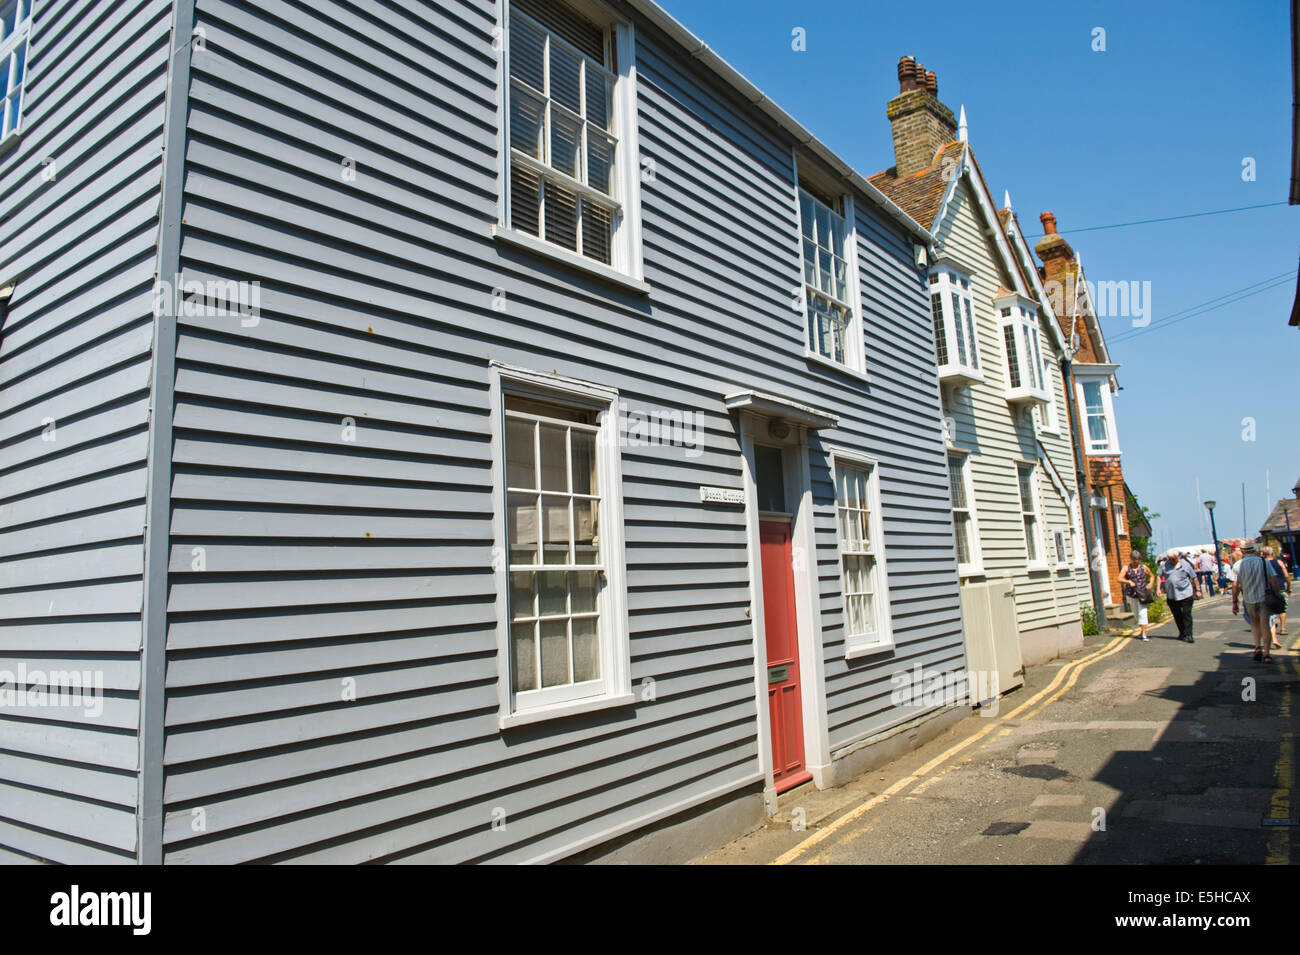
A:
722,495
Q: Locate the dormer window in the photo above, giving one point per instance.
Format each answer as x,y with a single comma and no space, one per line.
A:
1022,347
953,312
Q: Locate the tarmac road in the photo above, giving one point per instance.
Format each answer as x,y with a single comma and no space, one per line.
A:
1146,753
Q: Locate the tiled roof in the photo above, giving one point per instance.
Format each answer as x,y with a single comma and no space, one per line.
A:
1276,523
921,194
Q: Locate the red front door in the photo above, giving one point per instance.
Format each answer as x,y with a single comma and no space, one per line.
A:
782,655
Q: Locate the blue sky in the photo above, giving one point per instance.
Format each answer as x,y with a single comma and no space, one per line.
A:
1157,125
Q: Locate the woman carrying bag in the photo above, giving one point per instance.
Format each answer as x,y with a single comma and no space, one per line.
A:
1137,589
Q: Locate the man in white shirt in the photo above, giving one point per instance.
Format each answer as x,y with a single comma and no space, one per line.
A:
1252,585
1205,570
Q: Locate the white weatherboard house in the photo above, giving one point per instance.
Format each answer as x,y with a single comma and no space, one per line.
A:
999,348
567,479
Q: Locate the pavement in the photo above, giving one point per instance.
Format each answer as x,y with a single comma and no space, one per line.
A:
1127,753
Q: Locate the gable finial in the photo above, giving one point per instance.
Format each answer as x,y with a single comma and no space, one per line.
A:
962,132
1006,199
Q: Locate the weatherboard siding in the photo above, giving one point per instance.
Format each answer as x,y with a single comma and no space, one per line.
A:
998,436
325,560
80,194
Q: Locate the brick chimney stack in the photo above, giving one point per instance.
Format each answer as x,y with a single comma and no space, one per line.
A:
1053,249
921,124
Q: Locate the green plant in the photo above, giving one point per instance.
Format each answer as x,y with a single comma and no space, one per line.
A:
1088,615
1157,610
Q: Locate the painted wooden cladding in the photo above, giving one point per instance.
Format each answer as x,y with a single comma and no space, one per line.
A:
79,194
999,437
345,159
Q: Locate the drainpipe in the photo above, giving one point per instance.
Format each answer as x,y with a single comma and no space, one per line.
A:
1085,506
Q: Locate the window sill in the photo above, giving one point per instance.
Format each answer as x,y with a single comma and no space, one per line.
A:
970,570
868,650
812,356
1105,453
560,710
530,243
1037,566
11,140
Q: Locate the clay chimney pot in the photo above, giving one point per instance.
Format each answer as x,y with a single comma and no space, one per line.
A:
1048,219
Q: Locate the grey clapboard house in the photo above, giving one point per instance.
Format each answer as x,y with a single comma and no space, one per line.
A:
452,432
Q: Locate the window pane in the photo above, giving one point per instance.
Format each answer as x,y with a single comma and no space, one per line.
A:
586,650
555,652
957,326
841,290
522,601
600,161
525,200
583,447
561,216
520,468
526,44
806,218
1031,538
555,519
600,99
809,262
961,524
552,594
555,470
566,85
956,477
1013,359
940,337
586,550
1026,488
566,143
522,510
970,335
527,117
582,591
523,639
597,232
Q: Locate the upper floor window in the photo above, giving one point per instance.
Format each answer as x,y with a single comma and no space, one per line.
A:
1121,525
828,281
1098,415
956,341
1021,342
857,505
567,132
15,26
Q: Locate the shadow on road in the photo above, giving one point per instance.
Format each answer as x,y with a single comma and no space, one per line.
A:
1222,766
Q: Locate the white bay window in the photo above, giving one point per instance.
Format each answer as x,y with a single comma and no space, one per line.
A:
1022,348
955,337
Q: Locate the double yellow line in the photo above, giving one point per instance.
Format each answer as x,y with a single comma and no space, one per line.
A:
1061,684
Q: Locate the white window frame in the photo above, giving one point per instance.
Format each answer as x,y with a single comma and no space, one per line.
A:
958,352
14,48
883,638
625,267
1080,541
855,359
1111,447
975,566
1019,316
1118,509
1060,536
1040,562
1049,421
614,685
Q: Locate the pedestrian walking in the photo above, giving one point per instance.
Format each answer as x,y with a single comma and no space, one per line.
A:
1205,570
1253,589
1232,571
1278,569
1137,589
1181,588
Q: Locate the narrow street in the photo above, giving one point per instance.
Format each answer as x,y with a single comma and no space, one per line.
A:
1129,753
